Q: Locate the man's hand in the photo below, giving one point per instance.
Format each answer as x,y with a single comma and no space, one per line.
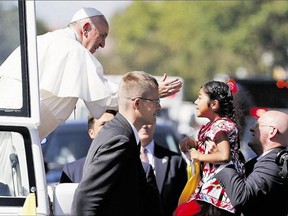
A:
169,87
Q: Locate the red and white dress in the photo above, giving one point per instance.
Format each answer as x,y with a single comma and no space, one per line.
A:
209,189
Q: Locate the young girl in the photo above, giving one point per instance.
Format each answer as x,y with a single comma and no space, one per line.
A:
215,102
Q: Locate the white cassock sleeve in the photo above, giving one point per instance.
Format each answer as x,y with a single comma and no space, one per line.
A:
68,72
67,69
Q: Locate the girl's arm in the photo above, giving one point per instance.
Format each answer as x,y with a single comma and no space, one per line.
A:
221,153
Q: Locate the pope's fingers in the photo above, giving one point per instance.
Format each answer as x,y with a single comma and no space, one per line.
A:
174,82
173,88
164,77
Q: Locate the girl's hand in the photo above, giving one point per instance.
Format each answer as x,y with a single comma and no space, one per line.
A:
194,154
186,144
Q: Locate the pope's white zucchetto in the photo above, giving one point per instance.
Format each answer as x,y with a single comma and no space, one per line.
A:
85,12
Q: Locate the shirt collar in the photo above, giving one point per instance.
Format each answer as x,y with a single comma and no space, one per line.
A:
263,154
150,147
135,132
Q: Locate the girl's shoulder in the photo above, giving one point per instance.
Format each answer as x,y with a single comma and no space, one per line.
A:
223,124
224,121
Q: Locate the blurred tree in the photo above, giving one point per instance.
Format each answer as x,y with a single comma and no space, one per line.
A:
199,39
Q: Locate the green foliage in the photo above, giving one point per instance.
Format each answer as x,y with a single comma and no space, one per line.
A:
199,39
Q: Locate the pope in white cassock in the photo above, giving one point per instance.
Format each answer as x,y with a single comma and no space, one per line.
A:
67,71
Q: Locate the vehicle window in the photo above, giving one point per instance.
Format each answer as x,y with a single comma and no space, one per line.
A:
8,20
14,174
14,97
66,146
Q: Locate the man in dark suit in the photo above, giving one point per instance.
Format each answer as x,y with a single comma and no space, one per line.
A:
263,191
114,181
169,168
72,172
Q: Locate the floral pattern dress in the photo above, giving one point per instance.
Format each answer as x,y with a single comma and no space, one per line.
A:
209,189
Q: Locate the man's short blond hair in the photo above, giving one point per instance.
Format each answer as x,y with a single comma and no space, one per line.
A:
137,84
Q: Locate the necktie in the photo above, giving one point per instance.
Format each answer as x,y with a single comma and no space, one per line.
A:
143,155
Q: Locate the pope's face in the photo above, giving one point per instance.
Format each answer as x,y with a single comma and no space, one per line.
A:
96,35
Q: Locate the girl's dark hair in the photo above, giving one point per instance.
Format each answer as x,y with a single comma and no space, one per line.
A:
221,92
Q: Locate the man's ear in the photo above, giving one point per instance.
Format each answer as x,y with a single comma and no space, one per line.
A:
86,28
273,132
91,133
136,103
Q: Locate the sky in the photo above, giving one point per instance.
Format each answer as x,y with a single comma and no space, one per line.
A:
57,14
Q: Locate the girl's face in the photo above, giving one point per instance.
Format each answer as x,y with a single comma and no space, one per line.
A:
202,104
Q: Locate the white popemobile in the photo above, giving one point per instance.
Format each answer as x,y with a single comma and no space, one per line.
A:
23,189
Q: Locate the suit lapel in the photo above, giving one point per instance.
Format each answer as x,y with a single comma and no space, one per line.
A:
161,166
136,146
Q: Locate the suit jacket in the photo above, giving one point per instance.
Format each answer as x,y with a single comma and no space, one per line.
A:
113,180
263,192
73,172
153,197
171,177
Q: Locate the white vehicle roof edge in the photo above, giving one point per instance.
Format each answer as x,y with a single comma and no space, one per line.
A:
33,62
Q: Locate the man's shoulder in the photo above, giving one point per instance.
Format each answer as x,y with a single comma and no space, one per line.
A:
117,130
117,125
